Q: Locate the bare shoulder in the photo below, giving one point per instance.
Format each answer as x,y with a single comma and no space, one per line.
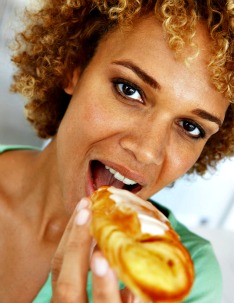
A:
13,166
7,179
23,260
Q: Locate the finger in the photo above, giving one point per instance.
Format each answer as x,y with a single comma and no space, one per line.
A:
128,297
105,282
58,257
72,280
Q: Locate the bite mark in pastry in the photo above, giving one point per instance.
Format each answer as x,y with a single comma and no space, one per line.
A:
141,246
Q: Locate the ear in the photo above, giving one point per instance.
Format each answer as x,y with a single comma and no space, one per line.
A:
72,81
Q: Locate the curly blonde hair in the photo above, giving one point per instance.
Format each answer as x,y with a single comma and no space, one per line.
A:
63,34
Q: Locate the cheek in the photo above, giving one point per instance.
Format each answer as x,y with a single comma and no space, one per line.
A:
181,155
98,120
97,117
183,159
83,120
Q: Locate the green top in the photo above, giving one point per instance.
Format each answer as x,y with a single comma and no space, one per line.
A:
207,287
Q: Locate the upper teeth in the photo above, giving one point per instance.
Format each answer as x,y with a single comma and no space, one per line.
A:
120,177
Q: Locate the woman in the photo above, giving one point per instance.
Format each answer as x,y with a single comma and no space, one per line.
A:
143,87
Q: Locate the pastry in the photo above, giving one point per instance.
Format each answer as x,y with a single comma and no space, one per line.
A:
141,246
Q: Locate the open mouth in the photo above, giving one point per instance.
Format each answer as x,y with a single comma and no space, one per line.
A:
104,175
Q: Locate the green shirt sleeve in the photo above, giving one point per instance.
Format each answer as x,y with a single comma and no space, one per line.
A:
208,280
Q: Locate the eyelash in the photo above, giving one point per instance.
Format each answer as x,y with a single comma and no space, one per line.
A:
202,133
118,81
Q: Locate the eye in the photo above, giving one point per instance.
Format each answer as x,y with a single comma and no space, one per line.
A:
128,90
193,129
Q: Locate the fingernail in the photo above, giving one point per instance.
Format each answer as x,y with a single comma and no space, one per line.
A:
100,266
82,217
82,204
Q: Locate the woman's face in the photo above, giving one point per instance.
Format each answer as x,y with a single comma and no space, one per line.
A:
138,118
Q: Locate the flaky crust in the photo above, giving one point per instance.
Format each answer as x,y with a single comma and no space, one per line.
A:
155,268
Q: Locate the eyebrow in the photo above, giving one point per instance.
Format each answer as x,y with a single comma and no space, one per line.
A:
140,73
154,84
205,115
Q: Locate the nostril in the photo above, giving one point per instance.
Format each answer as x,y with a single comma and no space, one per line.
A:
145,152
146,149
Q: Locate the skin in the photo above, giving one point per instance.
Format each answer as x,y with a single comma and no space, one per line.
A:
142,135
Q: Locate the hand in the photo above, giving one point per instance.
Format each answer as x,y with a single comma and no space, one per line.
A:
71,264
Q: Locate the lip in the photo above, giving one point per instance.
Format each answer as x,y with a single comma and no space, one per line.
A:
126,172
123,170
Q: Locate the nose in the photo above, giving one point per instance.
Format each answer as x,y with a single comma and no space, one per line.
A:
147,143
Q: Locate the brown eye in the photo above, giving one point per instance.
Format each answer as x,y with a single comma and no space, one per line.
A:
128,90
190,127
193,129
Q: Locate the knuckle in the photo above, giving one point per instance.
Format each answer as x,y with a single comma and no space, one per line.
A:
77,243
57,261
72,246
56,265
101,293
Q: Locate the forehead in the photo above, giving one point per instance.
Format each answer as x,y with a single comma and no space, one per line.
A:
147,40
145,44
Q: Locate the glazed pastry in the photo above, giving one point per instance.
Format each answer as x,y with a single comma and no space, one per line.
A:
141,246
